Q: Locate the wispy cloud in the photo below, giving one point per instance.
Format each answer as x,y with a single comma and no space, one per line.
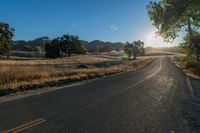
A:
73,24
113,27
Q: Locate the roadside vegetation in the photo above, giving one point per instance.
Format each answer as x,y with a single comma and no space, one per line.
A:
174,16
18,76
189,65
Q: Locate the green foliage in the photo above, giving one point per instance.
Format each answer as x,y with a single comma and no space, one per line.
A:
28,48
38,49
106,48
191,46
169,16
99,46
196,46
6,34
65,45
31,45
193,65
134,49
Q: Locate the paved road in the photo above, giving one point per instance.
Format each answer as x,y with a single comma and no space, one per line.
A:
151,100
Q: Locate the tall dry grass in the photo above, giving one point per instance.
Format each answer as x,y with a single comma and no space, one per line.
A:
14,74
85,59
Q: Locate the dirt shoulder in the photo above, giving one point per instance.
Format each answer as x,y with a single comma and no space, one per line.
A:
180,62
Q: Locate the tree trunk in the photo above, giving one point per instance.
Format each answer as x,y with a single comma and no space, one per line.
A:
198,59
69,53
69,50
134,56
190,30
190,33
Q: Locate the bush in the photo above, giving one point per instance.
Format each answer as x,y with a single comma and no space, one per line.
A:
193,65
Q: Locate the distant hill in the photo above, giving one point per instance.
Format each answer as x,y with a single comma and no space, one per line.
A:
22,45
96,45
93,46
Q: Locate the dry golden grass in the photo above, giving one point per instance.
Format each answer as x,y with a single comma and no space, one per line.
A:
14,74
85,59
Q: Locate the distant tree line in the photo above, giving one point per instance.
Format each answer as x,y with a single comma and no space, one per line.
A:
97,46
37,45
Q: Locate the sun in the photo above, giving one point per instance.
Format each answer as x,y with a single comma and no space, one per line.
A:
154,40
150,39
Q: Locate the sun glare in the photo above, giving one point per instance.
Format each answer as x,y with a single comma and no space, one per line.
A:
154,40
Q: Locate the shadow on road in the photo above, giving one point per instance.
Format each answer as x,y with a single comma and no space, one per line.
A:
191,112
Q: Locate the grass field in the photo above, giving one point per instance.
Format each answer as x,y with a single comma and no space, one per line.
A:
27,73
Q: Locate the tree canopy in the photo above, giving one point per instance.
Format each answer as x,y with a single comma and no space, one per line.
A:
65,45
170,16
134,49
6,35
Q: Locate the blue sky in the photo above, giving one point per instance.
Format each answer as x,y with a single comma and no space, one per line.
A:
107,20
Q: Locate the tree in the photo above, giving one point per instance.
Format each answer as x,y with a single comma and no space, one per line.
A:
38,49
196,43
65,45
140,46
6,34
129,49
54,49
170,16
78,47
72,44
134,49
106,48
28,48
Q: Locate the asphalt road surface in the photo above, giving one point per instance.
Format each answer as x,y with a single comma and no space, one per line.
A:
151,100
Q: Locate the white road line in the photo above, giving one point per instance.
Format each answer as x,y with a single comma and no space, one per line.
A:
190,87
11,98
157,71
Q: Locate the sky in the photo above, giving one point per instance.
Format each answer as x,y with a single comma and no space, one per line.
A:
106,20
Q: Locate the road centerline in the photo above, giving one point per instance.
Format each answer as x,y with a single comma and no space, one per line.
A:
25,126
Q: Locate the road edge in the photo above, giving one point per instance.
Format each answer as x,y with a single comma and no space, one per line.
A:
189,84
